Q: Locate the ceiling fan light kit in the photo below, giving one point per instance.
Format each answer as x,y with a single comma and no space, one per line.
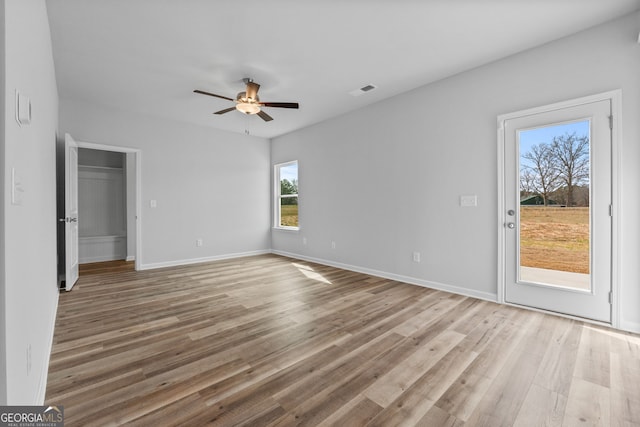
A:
248,102
247,107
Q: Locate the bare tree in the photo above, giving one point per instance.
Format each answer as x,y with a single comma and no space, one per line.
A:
542,172
572,155
527,177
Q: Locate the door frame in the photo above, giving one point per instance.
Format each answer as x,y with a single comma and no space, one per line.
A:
138,185
615,96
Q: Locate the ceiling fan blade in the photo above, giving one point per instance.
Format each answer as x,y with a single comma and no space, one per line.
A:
280,104
226,110
212,94
264,116
252,90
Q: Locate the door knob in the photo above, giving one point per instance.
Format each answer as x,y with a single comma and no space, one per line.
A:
511,225
511,212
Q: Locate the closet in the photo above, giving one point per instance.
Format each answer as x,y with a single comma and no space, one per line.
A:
102,207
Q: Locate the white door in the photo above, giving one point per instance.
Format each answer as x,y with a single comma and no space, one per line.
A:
557,183
71,211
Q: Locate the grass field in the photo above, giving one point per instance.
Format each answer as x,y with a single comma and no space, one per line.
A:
289,215
555,238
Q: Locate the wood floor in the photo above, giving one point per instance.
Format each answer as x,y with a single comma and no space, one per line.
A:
271,341
106,267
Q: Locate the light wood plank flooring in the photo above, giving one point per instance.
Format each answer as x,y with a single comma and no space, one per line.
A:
271,341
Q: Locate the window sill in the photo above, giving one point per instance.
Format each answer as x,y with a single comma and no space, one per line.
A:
288,229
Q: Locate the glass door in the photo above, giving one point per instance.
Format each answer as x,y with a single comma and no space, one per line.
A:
558,219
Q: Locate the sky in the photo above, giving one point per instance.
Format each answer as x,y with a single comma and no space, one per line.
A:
289,172
536,136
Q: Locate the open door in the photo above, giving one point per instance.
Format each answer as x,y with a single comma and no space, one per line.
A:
71,211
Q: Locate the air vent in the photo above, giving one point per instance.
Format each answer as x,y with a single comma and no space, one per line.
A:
363,90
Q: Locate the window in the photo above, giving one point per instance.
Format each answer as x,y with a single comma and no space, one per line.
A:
286,195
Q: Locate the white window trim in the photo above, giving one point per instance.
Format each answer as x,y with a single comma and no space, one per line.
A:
278,196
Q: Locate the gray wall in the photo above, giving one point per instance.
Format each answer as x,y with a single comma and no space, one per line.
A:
29,245
385,181
208,184
3,324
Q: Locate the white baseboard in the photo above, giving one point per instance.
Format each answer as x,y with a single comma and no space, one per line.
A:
177,263
628,326
392,276
42,386
130,258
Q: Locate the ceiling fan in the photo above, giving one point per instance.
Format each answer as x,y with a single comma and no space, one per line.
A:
248,101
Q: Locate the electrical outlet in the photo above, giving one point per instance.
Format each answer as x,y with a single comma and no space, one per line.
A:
333,245
416,257
198,242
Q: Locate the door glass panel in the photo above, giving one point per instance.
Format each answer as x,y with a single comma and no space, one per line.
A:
554,217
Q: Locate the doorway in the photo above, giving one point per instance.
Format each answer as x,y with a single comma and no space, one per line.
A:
69,242
102,207
556,228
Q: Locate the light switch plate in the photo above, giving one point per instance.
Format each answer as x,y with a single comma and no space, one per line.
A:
23,109
16,188
469,201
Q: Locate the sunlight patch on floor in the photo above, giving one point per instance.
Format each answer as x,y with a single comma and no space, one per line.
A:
310,273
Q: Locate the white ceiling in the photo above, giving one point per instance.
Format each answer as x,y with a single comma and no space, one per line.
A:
149,55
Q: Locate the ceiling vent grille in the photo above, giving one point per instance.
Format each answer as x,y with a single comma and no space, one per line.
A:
363,90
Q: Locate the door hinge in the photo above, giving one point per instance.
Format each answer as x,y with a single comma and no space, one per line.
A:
611,122
610,210
610,297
